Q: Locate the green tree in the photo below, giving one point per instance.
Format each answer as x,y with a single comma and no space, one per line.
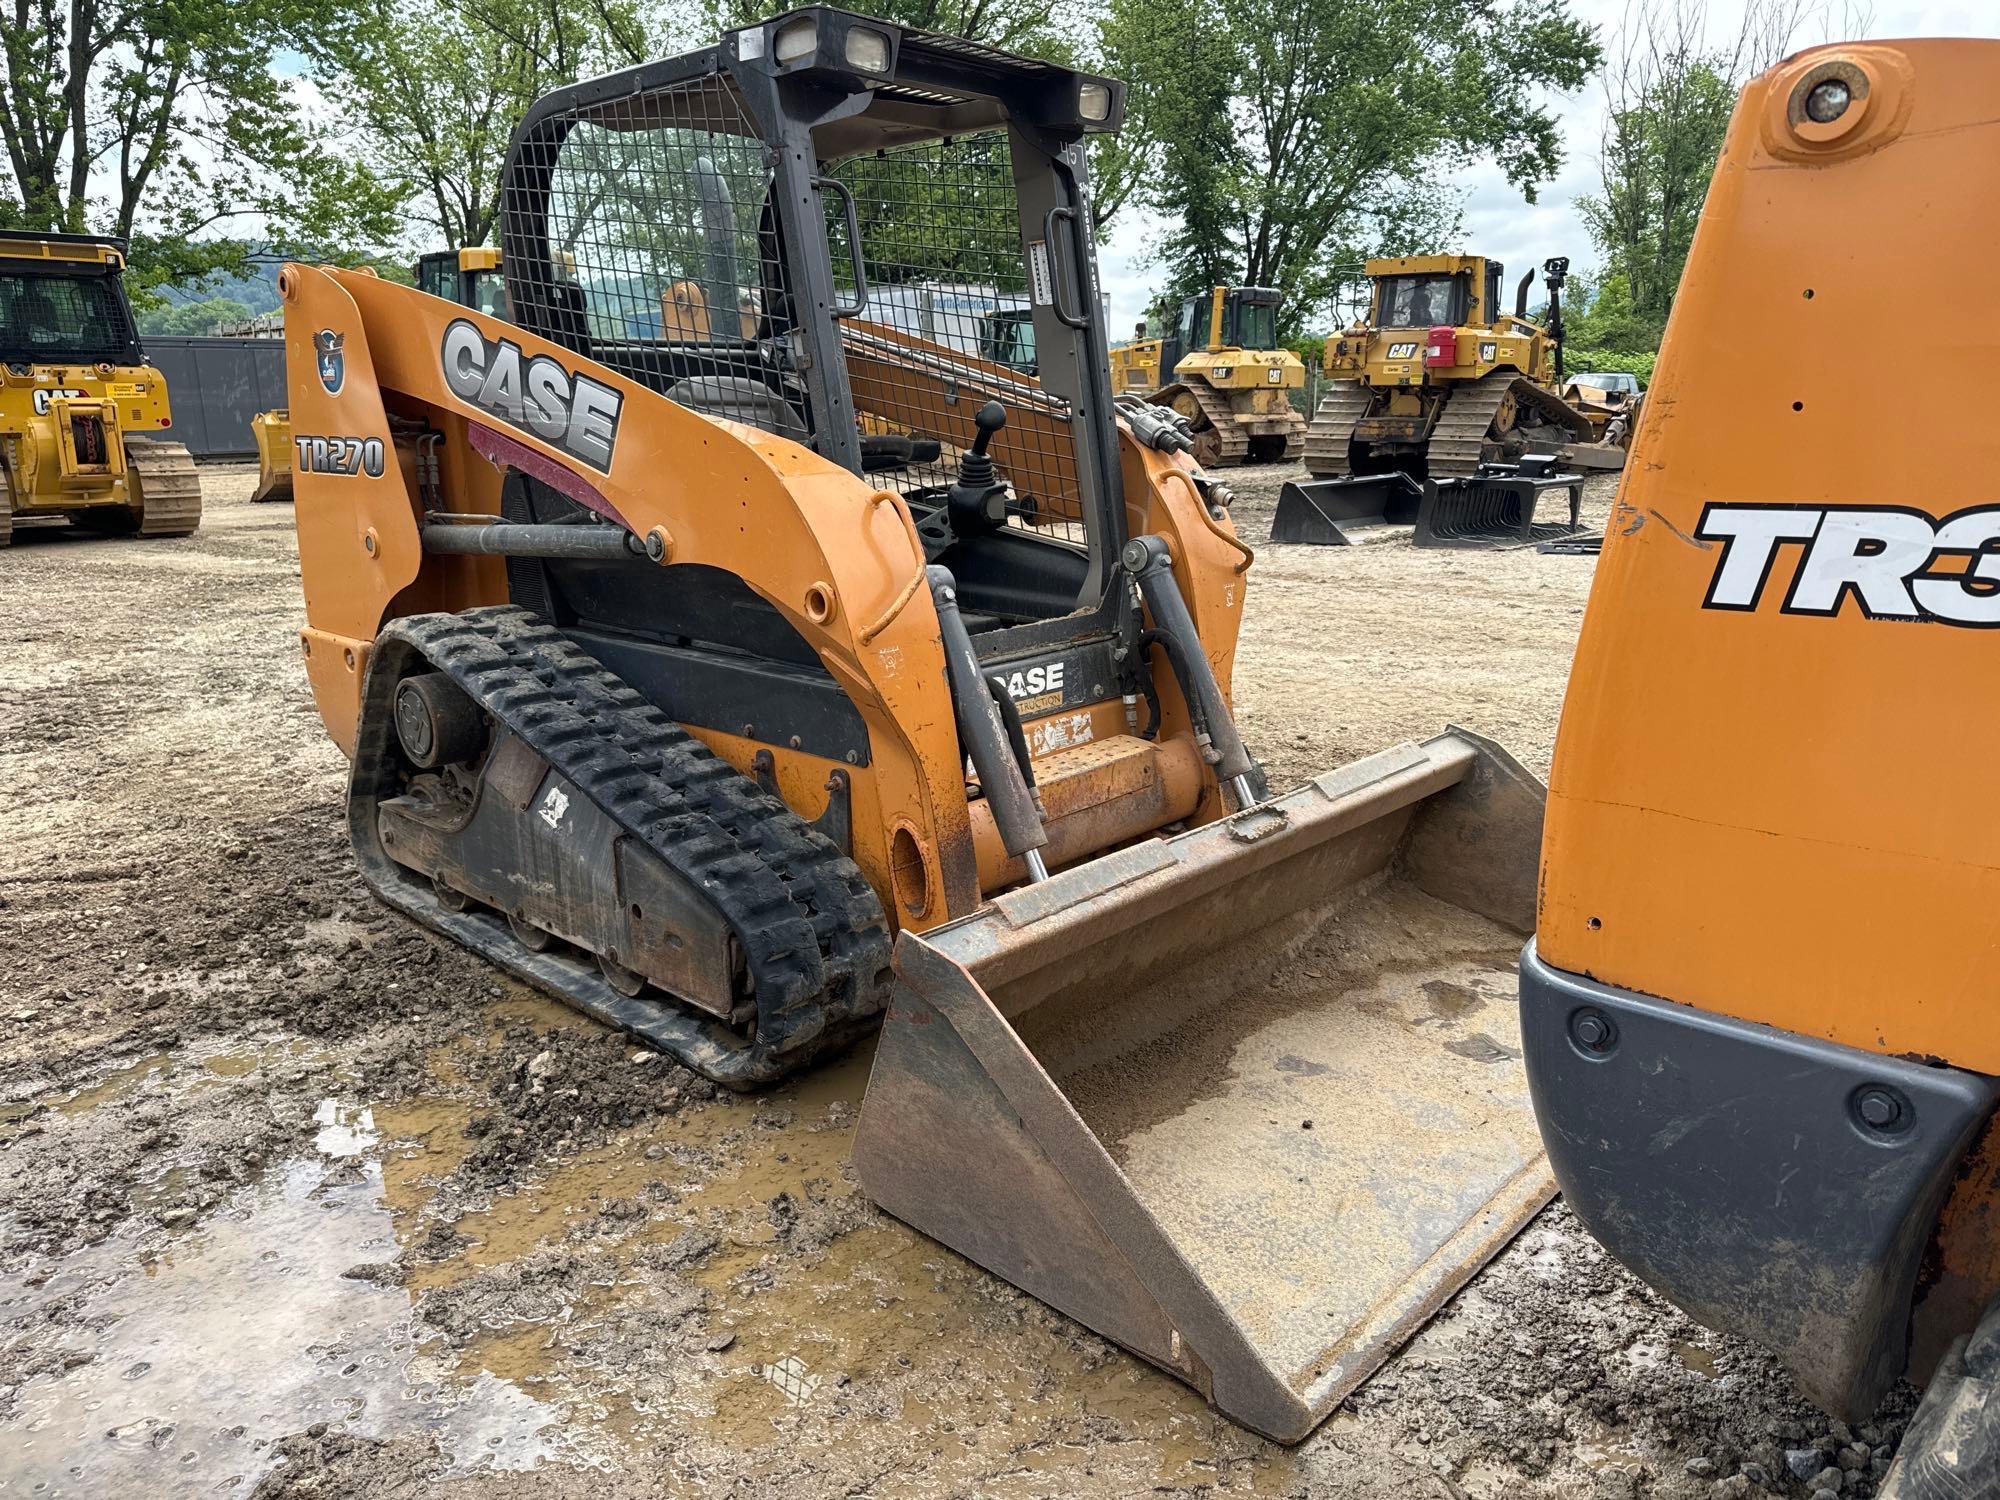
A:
1670,91
1602,329
1282,139
435,88
163,121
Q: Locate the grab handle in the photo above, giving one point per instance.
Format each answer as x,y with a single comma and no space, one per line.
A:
1074,320
853,216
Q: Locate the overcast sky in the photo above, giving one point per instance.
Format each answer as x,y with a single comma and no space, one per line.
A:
1498,222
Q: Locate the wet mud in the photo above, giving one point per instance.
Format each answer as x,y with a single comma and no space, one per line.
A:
296,1200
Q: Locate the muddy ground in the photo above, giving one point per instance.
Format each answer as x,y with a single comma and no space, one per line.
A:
297,1201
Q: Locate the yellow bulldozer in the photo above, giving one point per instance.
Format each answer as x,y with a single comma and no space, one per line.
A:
81,412
1437,379
469,276
1759,1011
1221,370
754,694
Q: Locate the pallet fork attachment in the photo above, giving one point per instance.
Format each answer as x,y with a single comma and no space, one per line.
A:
1234,1098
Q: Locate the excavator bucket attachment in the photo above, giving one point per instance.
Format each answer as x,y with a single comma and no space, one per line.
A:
1248,1099
272,431
1336,512
1496,507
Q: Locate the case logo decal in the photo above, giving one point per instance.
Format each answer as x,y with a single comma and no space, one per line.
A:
330,359
1891,562
1036,689
536,395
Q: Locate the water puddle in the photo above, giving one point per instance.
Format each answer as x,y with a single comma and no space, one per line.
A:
345,1129
1701,1361
188,1367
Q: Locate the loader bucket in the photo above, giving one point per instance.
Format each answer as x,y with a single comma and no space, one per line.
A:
1247,1100
1332,512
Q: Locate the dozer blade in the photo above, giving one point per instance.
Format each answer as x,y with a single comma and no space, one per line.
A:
1336,512
1247,1100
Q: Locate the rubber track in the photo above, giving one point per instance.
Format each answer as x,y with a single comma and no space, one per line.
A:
812,930
169,487
1345,403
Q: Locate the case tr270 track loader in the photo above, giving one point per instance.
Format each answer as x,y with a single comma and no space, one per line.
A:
748,693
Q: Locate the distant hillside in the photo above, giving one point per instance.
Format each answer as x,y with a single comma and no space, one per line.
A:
257,290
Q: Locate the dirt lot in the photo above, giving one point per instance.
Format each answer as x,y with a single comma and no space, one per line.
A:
295,1200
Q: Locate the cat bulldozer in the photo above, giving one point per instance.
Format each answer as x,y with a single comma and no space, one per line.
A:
1437,380
1759,1009
469,276
1224,374
756,694
81,412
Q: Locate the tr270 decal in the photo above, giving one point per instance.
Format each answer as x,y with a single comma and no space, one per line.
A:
340,455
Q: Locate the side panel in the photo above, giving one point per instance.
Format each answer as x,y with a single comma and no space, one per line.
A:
1771,795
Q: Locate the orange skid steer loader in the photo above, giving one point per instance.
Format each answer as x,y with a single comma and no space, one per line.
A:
1760,1011
744,685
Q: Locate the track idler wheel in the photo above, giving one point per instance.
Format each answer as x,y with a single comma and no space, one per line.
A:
436,723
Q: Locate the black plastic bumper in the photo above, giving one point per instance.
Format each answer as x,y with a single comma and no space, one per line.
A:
1772,1185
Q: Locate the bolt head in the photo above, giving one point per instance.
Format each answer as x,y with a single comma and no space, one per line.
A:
1593,1031
1879,1108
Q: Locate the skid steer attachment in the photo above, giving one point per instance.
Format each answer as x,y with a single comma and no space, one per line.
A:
1247,1100
1496,507
1341,512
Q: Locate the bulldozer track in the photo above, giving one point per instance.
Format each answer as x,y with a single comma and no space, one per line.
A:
168,488
1458,441
6,508
1225,441
1345,403
811,929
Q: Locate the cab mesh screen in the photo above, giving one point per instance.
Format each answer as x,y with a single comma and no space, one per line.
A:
664,260
661,258
47,316
937,333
